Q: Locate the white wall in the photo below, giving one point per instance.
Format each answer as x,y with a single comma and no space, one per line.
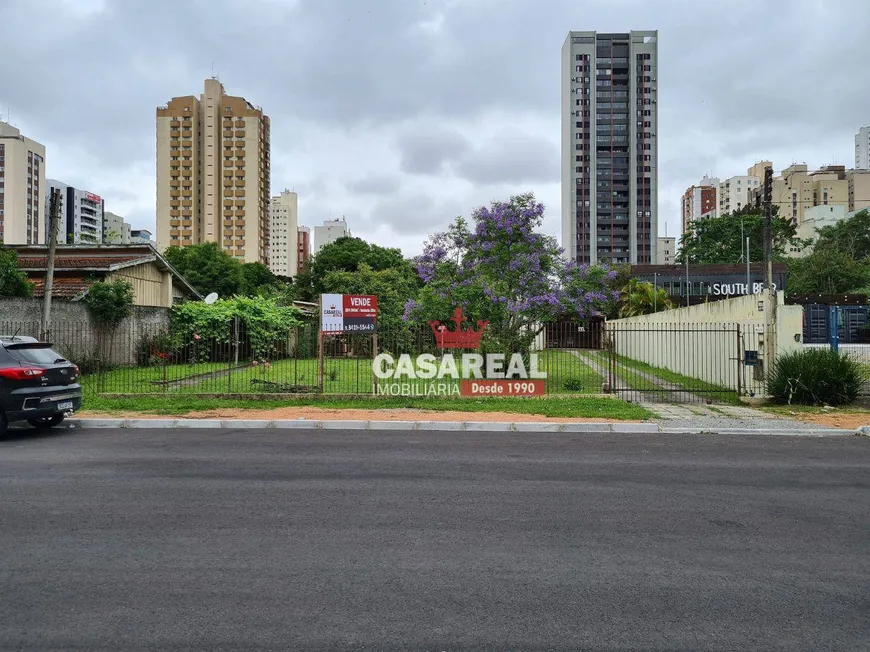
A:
702,341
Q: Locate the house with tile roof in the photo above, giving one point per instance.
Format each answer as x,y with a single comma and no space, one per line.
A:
155,282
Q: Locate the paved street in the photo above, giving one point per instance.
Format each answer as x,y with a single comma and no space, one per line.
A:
295,540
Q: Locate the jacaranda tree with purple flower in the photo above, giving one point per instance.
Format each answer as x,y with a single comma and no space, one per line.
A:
503,270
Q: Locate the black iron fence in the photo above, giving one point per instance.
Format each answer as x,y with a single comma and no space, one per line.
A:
660,362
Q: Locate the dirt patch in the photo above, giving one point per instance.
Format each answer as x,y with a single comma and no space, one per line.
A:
327,414
844,420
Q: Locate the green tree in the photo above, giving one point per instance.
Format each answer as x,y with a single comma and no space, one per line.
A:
258,280
642,299
13,282
827,271
110,302
208,268
720,240
347,254
851,236
393,287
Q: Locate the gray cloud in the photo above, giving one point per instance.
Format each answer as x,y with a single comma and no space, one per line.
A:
375,184
512,158
735,85
426,150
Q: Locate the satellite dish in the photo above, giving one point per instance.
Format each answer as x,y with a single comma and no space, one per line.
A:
210,299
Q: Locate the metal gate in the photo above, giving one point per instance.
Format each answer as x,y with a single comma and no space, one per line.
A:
680,363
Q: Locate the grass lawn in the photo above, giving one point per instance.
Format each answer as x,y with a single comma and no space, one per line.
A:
579,407
340,376
638,382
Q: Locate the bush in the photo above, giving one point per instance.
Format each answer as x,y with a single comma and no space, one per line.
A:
815,376
573,385
110,302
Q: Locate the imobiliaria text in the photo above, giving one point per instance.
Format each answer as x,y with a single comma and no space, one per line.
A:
468,374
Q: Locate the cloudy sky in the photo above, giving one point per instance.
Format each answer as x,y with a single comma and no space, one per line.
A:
402,114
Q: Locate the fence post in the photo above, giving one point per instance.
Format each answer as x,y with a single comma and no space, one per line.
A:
737,357
320,344
374,355
834,328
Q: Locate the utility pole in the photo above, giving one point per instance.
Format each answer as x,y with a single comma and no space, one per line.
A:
53,219
770,312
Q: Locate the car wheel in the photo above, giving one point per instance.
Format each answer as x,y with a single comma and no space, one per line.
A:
46,422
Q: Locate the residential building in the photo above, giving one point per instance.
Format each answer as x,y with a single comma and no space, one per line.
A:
283,234
666,251
859,189
115,229
213,173
815,219
303,252
80,214
155,282
610,147
758,169
331,231
734,192
140,236
862,149
22,188
796,189
699,201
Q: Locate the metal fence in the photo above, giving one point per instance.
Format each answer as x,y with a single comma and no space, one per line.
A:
655,363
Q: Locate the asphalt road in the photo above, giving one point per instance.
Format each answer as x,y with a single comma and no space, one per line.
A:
243,540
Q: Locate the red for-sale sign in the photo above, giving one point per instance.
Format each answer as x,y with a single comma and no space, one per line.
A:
360,313
360,305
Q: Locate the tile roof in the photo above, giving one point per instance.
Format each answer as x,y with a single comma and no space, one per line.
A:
76,262
64,287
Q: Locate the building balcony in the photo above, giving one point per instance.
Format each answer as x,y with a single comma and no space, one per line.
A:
239,203
187,173
240,133
175,124
186,202
175,222
174,213
228,135
174,134
240,152
186,143
240,214
175,203
187,213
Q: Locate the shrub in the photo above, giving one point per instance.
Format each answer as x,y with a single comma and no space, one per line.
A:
815,376
110,302
573,385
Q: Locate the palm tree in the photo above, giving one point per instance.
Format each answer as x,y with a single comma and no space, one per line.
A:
642,299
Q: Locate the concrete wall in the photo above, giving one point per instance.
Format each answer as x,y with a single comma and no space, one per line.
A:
75,334
702,341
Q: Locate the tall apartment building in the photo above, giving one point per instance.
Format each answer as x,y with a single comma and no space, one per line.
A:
666,251
283,234
331,231
303,239
796,189
116,230
213,173
862,149
736,192
609,147
80,214
859,189
22,188
699,202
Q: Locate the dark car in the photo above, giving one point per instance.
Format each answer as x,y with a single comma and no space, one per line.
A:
37,384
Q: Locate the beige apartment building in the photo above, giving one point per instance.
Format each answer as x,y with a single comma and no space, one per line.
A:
22,188
797,189
859,189
283,234
213,166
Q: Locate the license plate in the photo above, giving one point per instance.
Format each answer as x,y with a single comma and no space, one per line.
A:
64,405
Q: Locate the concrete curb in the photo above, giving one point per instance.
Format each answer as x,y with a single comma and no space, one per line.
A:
441,426
310,424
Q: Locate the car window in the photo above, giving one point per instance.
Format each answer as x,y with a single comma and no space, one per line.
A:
35,355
